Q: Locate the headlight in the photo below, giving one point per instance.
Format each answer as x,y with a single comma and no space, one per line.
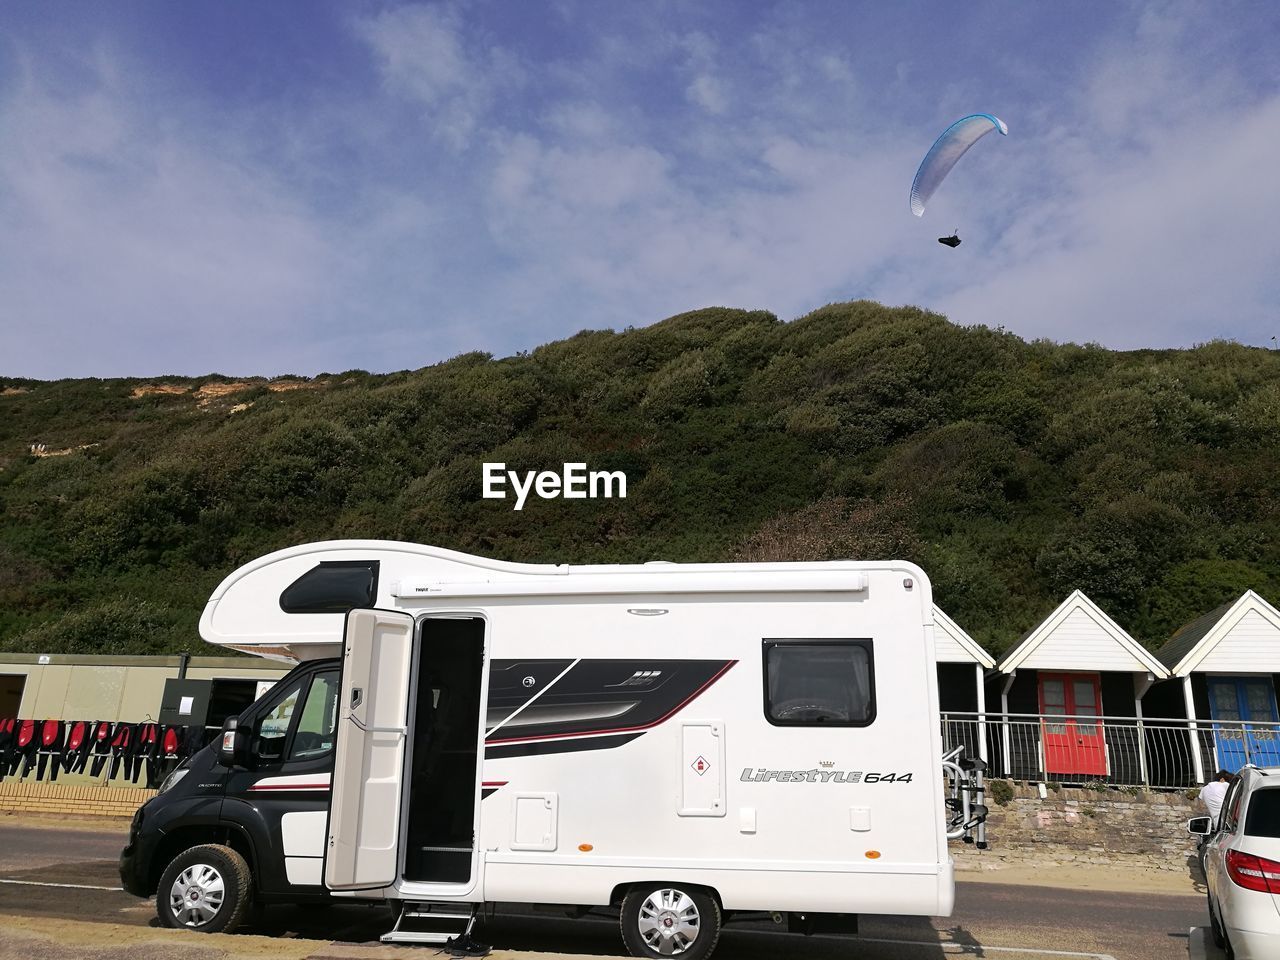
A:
172,779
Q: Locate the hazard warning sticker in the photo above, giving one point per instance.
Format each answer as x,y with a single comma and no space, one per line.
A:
701,765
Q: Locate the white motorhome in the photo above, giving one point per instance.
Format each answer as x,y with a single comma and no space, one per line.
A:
688,742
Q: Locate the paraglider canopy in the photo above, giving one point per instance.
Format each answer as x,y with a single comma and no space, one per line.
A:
946,151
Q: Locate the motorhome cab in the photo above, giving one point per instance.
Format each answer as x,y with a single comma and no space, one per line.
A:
686,742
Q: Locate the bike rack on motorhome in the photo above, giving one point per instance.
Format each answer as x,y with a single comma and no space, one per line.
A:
685,742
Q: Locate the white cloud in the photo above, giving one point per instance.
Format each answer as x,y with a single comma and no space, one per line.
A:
1170,247
423,55
143,234
142,237
129,245
1129,213
623,236
583,120
708,93
1142,217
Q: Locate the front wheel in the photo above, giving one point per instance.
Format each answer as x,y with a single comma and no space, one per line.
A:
668,920
1215,927
206,888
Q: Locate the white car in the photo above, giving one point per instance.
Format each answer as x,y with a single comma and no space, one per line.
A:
1242,866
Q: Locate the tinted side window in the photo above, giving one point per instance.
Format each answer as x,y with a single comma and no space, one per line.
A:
1262,819
819,682
334,586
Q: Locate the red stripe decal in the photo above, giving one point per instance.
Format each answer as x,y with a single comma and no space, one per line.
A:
494,784
600,733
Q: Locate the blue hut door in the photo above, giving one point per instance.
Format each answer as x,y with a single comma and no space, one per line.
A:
1235,701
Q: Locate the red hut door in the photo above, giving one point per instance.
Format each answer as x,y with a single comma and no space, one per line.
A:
1073,744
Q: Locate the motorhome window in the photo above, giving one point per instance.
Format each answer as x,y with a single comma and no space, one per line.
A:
273,727
334,586
815,683
313,736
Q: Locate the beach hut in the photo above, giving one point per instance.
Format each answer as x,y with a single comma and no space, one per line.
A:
1075,668
1224,667
962,666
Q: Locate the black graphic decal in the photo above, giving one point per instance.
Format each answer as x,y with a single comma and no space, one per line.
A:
596,698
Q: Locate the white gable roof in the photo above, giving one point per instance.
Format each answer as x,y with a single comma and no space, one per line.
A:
1079,636
953,645
1245,639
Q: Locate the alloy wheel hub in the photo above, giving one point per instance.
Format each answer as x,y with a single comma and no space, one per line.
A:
197,895
669,922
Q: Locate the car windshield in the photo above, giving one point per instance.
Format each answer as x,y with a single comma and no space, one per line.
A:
1263,819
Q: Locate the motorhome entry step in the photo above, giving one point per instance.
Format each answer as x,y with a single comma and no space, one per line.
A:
430,923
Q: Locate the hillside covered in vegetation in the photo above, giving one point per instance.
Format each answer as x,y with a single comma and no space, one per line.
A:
1013,472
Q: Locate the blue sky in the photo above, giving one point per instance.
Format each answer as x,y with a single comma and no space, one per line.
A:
256,188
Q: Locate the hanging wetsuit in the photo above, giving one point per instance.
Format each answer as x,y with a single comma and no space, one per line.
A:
25,743
6,745
53,734
170,752
193,740
101,740
146,749
76,754
121,749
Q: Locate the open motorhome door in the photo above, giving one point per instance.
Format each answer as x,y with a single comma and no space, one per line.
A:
373,719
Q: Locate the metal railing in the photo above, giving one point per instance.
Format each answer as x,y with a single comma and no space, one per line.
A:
1122,751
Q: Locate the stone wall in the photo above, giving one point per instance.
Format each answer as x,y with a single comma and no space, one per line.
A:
1078,826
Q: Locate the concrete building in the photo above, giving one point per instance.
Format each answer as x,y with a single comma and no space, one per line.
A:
66,687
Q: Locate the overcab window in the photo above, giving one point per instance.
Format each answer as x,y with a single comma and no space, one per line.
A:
334,586
815,683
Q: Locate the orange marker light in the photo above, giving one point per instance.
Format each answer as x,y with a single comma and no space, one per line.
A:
585,847
873,854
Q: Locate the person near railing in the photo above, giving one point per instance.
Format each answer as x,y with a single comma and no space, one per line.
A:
1213,793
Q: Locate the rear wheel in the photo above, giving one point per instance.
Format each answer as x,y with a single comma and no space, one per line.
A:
206,888
670,920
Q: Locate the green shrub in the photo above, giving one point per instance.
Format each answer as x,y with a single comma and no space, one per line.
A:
1013,472
1000,791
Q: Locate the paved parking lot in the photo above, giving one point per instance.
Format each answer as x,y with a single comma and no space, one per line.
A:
60,899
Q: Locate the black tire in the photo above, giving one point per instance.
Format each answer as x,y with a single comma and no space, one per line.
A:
670,906
206,888
1215,927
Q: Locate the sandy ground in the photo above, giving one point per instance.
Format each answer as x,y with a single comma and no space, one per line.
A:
47,938
28,938
28,820
1118,878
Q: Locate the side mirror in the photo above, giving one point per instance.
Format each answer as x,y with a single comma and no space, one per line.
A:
1200,826
233,750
